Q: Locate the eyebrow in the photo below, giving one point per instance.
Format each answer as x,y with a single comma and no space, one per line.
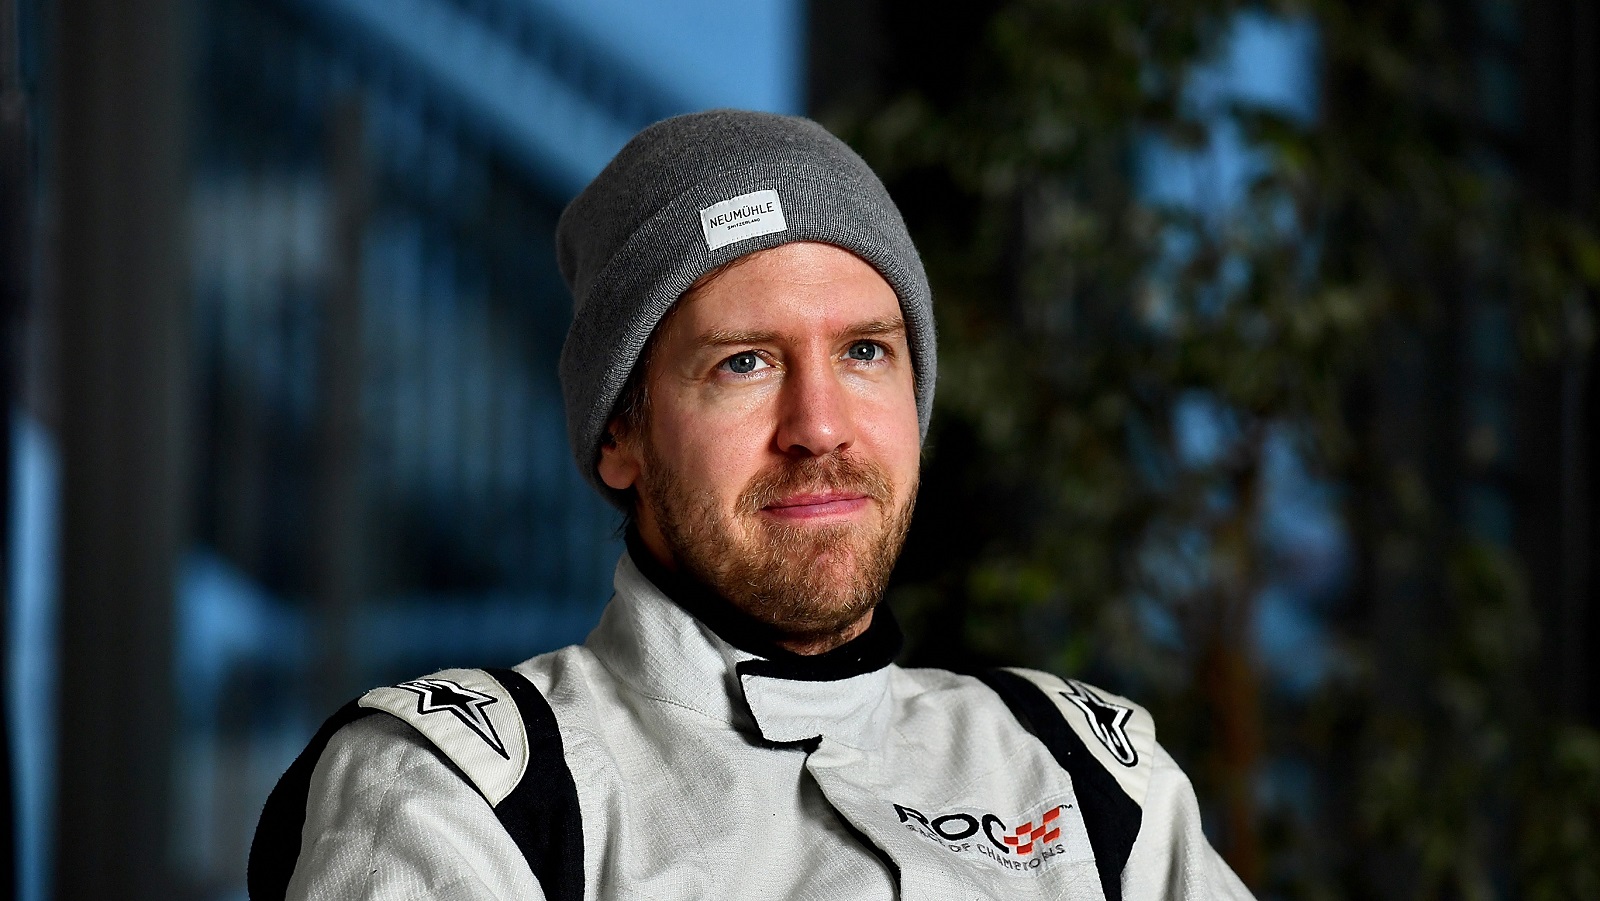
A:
872,328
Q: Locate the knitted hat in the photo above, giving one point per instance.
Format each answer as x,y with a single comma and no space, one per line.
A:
689,194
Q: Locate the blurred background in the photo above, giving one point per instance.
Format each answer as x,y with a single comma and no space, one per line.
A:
1268,393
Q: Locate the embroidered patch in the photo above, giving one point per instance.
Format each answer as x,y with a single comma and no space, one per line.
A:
1106,719
465,704
746,216
1053,836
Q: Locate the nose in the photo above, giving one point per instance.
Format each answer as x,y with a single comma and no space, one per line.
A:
815,414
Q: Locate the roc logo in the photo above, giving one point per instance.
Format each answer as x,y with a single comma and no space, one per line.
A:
1024,837
1022,848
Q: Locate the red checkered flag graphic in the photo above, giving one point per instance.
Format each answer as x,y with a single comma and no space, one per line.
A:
1024,837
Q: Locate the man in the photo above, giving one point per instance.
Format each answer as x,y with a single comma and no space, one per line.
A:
749,377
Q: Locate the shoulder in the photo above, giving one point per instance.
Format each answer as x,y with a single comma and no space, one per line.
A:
364,785
369,752
375,770
386,815
490,723
1117,733
473,717
393,771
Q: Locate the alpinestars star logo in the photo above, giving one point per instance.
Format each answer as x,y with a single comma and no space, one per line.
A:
465,704
1106,719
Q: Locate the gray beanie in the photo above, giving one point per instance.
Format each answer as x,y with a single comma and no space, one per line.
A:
689,194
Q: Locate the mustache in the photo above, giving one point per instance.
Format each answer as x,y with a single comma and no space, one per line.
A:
835,472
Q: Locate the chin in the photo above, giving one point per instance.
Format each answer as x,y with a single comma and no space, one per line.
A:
816,618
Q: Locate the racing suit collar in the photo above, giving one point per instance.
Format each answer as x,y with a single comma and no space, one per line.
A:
655,645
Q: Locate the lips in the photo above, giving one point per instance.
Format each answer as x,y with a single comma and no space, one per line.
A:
836,485
812,505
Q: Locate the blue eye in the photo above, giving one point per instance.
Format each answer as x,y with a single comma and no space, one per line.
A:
865,351
743,363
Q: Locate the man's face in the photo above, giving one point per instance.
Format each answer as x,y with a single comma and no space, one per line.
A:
779,459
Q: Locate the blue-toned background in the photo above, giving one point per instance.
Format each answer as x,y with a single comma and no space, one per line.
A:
283,316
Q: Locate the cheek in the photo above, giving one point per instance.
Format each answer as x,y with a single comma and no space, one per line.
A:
895,436
719,453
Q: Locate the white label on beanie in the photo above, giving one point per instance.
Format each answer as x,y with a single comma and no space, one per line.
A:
746,216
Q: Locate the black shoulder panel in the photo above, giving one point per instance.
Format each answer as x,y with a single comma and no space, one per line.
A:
276,846
1111,817
541,813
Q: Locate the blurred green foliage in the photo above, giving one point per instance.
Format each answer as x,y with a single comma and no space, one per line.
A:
1075,316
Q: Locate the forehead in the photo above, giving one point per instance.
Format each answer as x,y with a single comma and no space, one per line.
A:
798,285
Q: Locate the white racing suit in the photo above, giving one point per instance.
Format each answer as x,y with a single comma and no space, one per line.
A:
660,761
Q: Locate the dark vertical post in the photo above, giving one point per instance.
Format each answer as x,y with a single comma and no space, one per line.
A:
338,532
121,140
1581,400
1559,519
16,261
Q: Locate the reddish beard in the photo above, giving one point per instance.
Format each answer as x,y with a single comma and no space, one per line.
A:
808,583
